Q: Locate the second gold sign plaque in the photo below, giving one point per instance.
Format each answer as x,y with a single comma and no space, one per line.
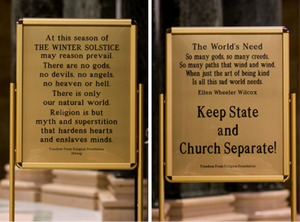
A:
227,99
76,94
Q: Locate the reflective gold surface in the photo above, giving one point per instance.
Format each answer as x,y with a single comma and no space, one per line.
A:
76,94
231,126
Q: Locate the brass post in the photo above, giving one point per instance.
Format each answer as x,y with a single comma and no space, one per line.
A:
293,158
141,153
161,159
12,153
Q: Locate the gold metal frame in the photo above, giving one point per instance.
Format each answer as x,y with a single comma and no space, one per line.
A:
221,178
228,30
285,95
286,105
168,104
19,65
96,22
133,95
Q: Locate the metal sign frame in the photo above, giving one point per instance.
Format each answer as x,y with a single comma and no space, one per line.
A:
285,102
21,25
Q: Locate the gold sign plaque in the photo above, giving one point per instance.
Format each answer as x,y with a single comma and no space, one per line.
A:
227,99
76,94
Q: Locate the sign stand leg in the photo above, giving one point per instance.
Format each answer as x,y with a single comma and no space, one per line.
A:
161,159
293,158
12,153
140,153
136,193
